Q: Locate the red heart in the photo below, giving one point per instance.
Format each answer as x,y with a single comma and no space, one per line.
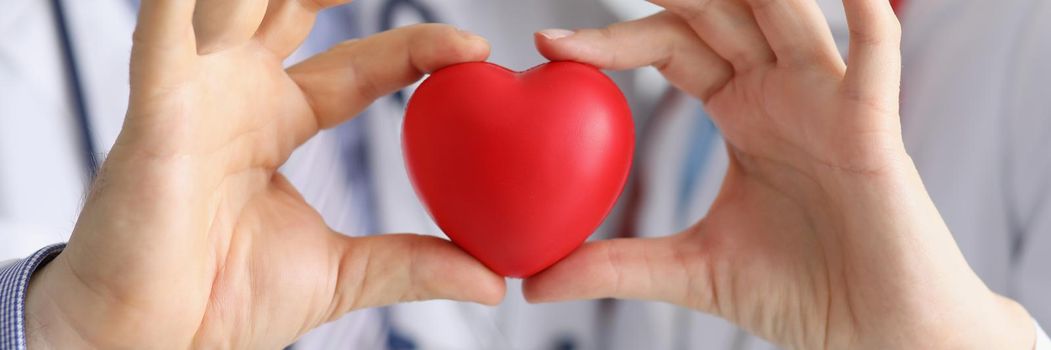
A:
518,169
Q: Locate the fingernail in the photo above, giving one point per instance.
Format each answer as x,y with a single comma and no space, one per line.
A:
555,34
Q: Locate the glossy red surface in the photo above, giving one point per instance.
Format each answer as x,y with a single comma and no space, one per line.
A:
518,169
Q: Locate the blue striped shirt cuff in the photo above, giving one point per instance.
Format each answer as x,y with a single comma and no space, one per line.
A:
14,280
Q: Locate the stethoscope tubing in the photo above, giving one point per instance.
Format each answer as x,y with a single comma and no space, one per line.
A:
82,117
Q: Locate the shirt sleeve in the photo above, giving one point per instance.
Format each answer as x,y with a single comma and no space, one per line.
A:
1042,341
14,280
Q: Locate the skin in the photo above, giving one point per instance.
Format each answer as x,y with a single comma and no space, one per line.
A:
192,236
822,237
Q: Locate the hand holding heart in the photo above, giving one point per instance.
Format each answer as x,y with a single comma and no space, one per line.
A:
822,235
192,238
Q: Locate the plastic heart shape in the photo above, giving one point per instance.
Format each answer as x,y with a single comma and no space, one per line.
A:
518,169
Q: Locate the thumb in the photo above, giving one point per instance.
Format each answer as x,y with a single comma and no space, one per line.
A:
388,269
662,269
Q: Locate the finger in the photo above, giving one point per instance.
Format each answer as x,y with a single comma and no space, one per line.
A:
288,23
728,27
388,269
222,24
874,63
163,36
797,31
165,21
661,269
344,80
663,40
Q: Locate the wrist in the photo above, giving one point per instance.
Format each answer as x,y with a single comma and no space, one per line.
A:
983,323
1002,324
1018,328
47,323
938,301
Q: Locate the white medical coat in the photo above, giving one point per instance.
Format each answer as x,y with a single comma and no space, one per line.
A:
975,115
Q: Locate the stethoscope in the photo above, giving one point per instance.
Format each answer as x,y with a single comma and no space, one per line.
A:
479,322
700,148
390,8
82,117
81,110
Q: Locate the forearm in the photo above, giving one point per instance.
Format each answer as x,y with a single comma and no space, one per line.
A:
934,299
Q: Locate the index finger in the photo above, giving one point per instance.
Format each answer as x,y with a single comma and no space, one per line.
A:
344,80
874,62
288,22
664,41
797,31
164,38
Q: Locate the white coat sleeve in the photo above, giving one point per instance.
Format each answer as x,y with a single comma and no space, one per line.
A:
1042,341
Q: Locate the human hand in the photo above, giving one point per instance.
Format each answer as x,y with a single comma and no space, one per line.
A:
822,235
191,238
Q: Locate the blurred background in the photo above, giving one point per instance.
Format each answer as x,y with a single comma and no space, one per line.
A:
975,108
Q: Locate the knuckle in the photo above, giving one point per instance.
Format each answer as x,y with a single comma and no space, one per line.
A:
614,260
760,5
366,85
696,10
609,32
865,37
883,32
439,30
894,30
